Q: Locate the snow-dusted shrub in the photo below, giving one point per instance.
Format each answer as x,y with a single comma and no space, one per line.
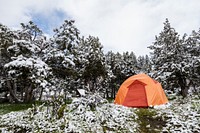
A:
77,117
181,116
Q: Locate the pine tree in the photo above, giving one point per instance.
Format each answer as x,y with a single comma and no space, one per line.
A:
192,48
144,64
6,38
59,55
129,64
168,59
94,71
26,71
110,83
119,68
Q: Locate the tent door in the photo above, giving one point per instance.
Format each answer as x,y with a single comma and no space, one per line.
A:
136,95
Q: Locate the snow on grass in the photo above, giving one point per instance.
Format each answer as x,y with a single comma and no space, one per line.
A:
95,114
82,115
183,115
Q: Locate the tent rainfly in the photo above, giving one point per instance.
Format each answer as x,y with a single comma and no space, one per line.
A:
140,91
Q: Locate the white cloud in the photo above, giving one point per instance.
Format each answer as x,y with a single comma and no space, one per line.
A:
121,25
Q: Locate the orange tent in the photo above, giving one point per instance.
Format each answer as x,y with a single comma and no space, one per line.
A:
140,91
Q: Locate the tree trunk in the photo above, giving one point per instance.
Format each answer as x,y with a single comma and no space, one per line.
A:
184,91
107,96
22,93
41,94
12,92
184,87
93,86
112,93
28,94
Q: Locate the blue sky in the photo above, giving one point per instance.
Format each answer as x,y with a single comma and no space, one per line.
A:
121,25
46,23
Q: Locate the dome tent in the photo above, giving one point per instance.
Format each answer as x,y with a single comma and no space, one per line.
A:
140,91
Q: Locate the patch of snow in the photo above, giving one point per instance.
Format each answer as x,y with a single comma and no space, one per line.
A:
162,106
81,92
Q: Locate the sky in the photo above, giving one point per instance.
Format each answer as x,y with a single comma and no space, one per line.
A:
121,25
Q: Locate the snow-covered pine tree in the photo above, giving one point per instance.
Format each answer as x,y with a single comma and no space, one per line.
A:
141,63
60,57
26,72
168,59
6,38
144,64
192,51
110,84
118,68
129,63
94,72
81,53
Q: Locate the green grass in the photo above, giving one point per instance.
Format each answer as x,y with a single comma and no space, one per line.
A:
110,100
148,121
7,107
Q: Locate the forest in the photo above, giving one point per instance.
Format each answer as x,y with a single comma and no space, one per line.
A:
36,68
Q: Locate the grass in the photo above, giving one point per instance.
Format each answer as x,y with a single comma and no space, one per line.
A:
7,107
110,100
148,121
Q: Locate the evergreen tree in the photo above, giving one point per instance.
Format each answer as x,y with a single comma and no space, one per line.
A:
110,83
129,64
26,71
94,71
168,59
120,67
141,63
192,48
60,57
144,64
6,39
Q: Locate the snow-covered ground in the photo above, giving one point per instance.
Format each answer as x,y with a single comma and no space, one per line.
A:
94,114
183,115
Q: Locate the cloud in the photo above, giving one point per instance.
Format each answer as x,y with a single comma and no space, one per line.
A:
132,25
121,25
